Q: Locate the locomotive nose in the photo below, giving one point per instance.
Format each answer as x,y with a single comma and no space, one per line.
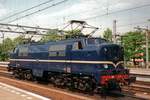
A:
112,52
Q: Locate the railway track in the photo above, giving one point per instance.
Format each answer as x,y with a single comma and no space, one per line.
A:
45,90
3,68
138,91
63,94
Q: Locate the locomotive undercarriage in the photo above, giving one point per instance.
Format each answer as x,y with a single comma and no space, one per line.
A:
74,82
25,74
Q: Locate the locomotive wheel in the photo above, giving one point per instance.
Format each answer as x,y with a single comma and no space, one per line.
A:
22,75
89,87
28,76
86,85
18,74
15,73
52,79
69,84
82,86
58,81
72,86
103,91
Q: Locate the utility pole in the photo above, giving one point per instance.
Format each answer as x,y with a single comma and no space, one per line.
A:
114,31
146,45
3,37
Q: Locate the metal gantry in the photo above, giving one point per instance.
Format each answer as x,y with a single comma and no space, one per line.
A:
27,31
22,29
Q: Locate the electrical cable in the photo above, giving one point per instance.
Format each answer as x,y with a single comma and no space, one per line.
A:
17,13
116,12
38,11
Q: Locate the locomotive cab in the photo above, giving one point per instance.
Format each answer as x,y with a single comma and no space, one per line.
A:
113,73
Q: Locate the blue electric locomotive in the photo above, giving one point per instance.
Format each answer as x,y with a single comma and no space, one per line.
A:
84,63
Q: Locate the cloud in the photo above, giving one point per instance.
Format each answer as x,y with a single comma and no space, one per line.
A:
3,11
81,9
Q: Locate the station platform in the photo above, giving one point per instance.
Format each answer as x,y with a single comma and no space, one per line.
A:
140,71
141,74
8,92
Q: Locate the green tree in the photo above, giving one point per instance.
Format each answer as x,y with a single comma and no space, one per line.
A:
19,40
73,33
108,34
5,49
51,35
133,44
7,45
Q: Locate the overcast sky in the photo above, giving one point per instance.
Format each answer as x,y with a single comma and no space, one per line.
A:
96,12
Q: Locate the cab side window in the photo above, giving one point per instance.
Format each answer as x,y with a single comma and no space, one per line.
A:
57,50
90,41
80,45
23,51
15,50
77,46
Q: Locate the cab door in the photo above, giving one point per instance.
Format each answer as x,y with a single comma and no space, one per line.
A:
68,64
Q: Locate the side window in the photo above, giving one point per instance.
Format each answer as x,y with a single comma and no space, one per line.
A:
77,46
57,50
15,50
90,41
80,45
23,51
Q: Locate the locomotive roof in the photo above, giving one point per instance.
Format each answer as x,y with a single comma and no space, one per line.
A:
73,40
61,41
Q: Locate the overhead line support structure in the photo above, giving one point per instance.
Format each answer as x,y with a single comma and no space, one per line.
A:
23,29
24,26
20,32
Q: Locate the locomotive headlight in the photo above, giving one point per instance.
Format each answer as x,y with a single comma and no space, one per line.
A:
105,66
105,49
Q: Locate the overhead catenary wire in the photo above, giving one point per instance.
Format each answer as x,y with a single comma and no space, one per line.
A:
108,13
87,10
130,24
20,12
123,10
58,3
104,14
